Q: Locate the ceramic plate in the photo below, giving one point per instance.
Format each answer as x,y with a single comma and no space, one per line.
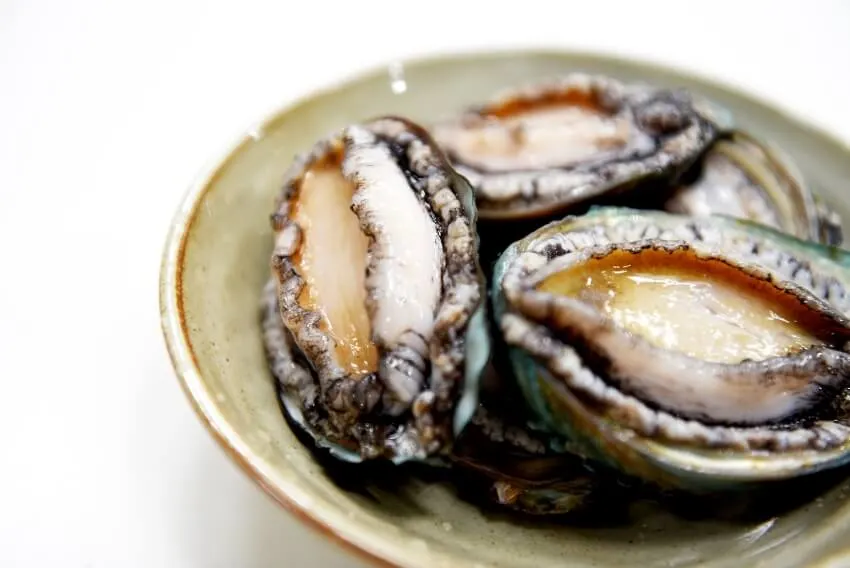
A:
217,261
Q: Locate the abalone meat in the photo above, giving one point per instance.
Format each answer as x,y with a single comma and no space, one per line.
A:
748,179
695,352
552,146
682,321
506,461
378,287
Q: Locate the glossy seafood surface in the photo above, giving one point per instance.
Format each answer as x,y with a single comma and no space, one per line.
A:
549,147
564,294
747,179
378,284
693,352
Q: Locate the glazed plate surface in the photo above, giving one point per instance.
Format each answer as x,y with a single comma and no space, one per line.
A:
217,261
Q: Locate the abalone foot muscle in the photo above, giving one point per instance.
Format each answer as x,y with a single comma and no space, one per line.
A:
546,148
377,274
743,177
667,304
647,338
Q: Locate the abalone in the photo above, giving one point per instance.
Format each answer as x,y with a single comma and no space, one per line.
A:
498,456
697,340
692,352
536,482
504,460
746,178
378,287
830,223
553,146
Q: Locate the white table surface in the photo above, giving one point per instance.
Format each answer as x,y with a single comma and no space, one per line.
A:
109,109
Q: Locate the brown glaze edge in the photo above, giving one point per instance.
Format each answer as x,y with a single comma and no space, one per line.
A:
171,266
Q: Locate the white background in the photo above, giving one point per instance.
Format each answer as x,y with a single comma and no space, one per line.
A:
107,112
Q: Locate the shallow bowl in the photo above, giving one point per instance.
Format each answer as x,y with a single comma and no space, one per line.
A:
216,262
